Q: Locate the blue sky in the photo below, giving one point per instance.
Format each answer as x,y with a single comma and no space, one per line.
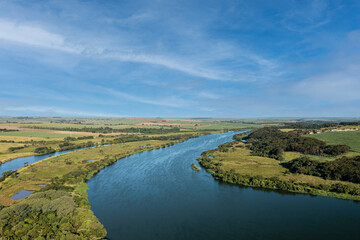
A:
180,58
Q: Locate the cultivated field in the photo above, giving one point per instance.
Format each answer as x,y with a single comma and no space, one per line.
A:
352,139
38,134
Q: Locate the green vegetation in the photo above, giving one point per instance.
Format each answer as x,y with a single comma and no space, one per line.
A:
137,125
271,142
36,134
44,150
116,130
320,125
259,166
22,135
12,149
352,139
194,167
50,215
7,130
61,209
344,169
7,174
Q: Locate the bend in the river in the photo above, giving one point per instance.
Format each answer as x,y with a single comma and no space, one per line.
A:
156,195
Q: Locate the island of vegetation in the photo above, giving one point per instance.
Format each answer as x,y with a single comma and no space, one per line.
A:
194,167
290,159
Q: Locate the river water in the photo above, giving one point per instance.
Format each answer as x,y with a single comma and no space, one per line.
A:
156,195
18,163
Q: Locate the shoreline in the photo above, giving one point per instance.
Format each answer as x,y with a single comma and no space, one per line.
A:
73,181
209,163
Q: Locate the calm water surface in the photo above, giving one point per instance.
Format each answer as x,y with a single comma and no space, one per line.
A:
22,194
18,163
156,195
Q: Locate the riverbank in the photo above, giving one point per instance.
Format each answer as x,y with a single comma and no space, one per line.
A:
5,159
158,191
24,148
233,163
65,177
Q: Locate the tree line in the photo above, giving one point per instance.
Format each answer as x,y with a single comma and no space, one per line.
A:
271,142
316,125
114,130
344,169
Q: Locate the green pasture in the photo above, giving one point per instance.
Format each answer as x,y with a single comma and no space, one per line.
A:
37,134
352,139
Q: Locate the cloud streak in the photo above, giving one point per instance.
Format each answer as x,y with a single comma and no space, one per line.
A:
232,58
19,33
167,102
51,111
33,35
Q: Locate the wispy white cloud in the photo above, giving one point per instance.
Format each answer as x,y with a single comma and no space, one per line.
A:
252,50
34,36
133,19
333,87
166,101
307,15
200,64
50,111
171,63
208,95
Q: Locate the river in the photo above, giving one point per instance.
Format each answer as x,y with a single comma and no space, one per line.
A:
156,195
18,163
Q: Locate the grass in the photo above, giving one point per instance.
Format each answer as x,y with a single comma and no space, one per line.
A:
44,171
185,124
54,143
352,139
5,146
194,167
287,129
238,159
67,172
288,156
330,158
37,134
22,139
6,155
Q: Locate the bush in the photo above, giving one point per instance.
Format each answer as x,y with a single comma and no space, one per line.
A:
44,150
271,142
344,169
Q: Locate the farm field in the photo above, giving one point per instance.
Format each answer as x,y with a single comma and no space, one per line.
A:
38,134
288,156
123,123
352,139
64,176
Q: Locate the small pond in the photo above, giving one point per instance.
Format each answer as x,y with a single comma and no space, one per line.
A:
22,194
